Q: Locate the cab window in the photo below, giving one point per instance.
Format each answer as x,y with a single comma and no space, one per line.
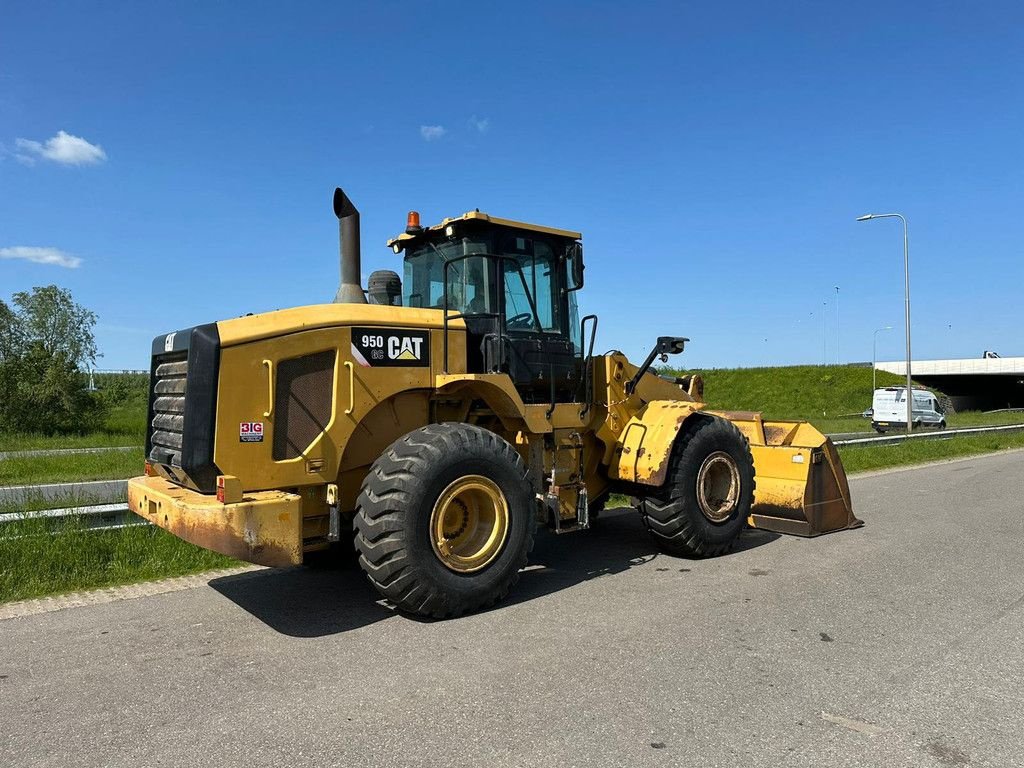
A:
423,285
534,278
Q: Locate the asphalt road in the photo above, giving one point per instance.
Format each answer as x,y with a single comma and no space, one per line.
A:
899,644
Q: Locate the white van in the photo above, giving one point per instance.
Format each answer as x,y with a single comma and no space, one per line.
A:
889,409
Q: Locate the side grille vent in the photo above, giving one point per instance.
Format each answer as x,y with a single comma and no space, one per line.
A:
303,402
167,428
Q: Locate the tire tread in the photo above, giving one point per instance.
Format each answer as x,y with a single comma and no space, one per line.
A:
381,527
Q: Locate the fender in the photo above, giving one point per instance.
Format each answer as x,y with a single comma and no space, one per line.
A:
501,396
643,448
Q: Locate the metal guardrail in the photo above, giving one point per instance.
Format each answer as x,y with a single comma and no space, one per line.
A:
100,517
938,434
117,514
95,491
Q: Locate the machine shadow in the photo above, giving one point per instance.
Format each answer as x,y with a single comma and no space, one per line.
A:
616,543
305,602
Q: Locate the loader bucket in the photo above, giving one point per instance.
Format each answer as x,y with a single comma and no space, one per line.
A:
801,486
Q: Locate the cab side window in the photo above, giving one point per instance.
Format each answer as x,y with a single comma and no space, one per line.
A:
534,279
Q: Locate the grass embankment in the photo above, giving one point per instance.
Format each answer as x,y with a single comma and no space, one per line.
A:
43,557
823,395
69,468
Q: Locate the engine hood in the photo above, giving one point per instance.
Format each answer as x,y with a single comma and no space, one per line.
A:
242,330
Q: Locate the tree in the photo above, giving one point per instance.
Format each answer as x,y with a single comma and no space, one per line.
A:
46,393
12,338
45,343
50,317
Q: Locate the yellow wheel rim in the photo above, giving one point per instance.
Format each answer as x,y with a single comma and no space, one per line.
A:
718,486
469,524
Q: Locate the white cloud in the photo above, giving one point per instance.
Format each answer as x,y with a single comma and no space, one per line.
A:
481,124
62,148
37,255
432,132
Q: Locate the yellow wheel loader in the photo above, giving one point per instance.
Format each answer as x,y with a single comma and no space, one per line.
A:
440,422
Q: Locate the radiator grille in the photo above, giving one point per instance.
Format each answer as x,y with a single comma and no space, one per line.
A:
167,428
303,402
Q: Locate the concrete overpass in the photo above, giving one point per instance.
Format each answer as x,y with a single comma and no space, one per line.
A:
984,383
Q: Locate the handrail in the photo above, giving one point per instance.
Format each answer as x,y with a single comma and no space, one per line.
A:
588,361
270,389
351,387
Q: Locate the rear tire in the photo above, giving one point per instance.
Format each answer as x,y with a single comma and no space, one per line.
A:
703,505
445,520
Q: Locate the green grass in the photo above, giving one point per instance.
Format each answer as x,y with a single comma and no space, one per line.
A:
807,392
125,424
108,465
127,420
10,442
43,557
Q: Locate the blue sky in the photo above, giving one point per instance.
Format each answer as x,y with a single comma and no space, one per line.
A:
714,156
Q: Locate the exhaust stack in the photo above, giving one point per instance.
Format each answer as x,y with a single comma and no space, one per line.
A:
350,291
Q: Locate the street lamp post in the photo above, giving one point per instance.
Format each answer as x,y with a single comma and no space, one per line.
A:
874,357
906,292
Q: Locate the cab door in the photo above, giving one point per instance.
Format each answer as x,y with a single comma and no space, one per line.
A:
541,355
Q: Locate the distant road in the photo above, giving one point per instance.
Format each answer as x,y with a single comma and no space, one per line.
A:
898,644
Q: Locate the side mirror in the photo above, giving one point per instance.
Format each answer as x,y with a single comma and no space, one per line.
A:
574,259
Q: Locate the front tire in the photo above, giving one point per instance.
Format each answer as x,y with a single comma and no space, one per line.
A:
445,520
709,489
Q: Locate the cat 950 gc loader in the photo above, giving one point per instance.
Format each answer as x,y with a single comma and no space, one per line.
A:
439,423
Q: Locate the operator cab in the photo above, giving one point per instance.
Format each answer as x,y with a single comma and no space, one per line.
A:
513,284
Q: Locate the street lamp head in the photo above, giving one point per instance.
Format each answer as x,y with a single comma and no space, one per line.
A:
865,217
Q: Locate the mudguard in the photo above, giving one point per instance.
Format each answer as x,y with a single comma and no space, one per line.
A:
645,444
